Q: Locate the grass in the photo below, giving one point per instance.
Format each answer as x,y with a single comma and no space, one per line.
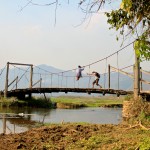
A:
33,102
89,101
80,137
6,102
67,100
119,139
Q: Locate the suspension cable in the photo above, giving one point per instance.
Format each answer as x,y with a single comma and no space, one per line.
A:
102,58
21,76
90,63
2,70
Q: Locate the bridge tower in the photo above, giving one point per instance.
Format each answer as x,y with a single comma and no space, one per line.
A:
6,81
7,75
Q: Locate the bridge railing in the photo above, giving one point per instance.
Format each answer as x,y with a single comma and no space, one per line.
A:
28,76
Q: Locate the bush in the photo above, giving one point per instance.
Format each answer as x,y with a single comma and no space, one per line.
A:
39,102
145,144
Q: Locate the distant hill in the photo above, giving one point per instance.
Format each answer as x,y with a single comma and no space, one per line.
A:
48,80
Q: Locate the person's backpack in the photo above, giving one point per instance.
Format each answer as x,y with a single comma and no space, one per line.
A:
98,75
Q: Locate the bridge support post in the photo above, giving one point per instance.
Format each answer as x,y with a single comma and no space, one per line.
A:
108,76
136,77
6,82
4,124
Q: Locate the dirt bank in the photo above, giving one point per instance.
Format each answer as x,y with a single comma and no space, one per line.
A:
74,136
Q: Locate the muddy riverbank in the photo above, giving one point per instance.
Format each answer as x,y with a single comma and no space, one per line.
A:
78,136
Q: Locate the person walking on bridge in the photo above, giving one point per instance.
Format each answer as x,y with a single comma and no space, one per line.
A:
97,77
79,72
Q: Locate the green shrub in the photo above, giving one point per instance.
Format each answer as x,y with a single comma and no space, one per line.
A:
145,144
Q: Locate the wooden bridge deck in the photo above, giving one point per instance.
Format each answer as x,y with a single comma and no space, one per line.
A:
67,90
20,93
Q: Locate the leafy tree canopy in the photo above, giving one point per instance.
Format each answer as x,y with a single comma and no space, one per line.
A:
132,18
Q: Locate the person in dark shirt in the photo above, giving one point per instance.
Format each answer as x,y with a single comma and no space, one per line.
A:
97,77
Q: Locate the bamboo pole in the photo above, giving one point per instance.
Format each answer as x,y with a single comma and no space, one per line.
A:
123,72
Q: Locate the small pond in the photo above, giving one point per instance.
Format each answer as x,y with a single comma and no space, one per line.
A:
33,116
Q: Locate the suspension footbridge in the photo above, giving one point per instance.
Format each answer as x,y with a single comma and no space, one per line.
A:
21,80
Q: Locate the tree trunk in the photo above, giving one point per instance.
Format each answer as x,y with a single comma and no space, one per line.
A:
136,77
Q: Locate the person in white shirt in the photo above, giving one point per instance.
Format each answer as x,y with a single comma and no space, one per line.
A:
79,72
97,77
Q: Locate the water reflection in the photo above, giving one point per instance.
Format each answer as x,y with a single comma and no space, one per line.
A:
36,115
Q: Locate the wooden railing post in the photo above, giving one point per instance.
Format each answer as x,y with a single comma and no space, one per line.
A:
17,82
6,81
40,82
31,80
31,77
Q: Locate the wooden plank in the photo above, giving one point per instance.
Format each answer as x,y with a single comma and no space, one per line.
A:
146,92
20,64
66,90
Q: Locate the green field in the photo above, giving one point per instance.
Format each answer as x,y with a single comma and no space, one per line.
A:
89,101
79,101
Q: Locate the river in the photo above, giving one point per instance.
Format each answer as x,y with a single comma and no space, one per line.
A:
34,116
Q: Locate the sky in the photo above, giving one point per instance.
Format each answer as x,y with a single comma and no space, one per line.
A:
28,34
